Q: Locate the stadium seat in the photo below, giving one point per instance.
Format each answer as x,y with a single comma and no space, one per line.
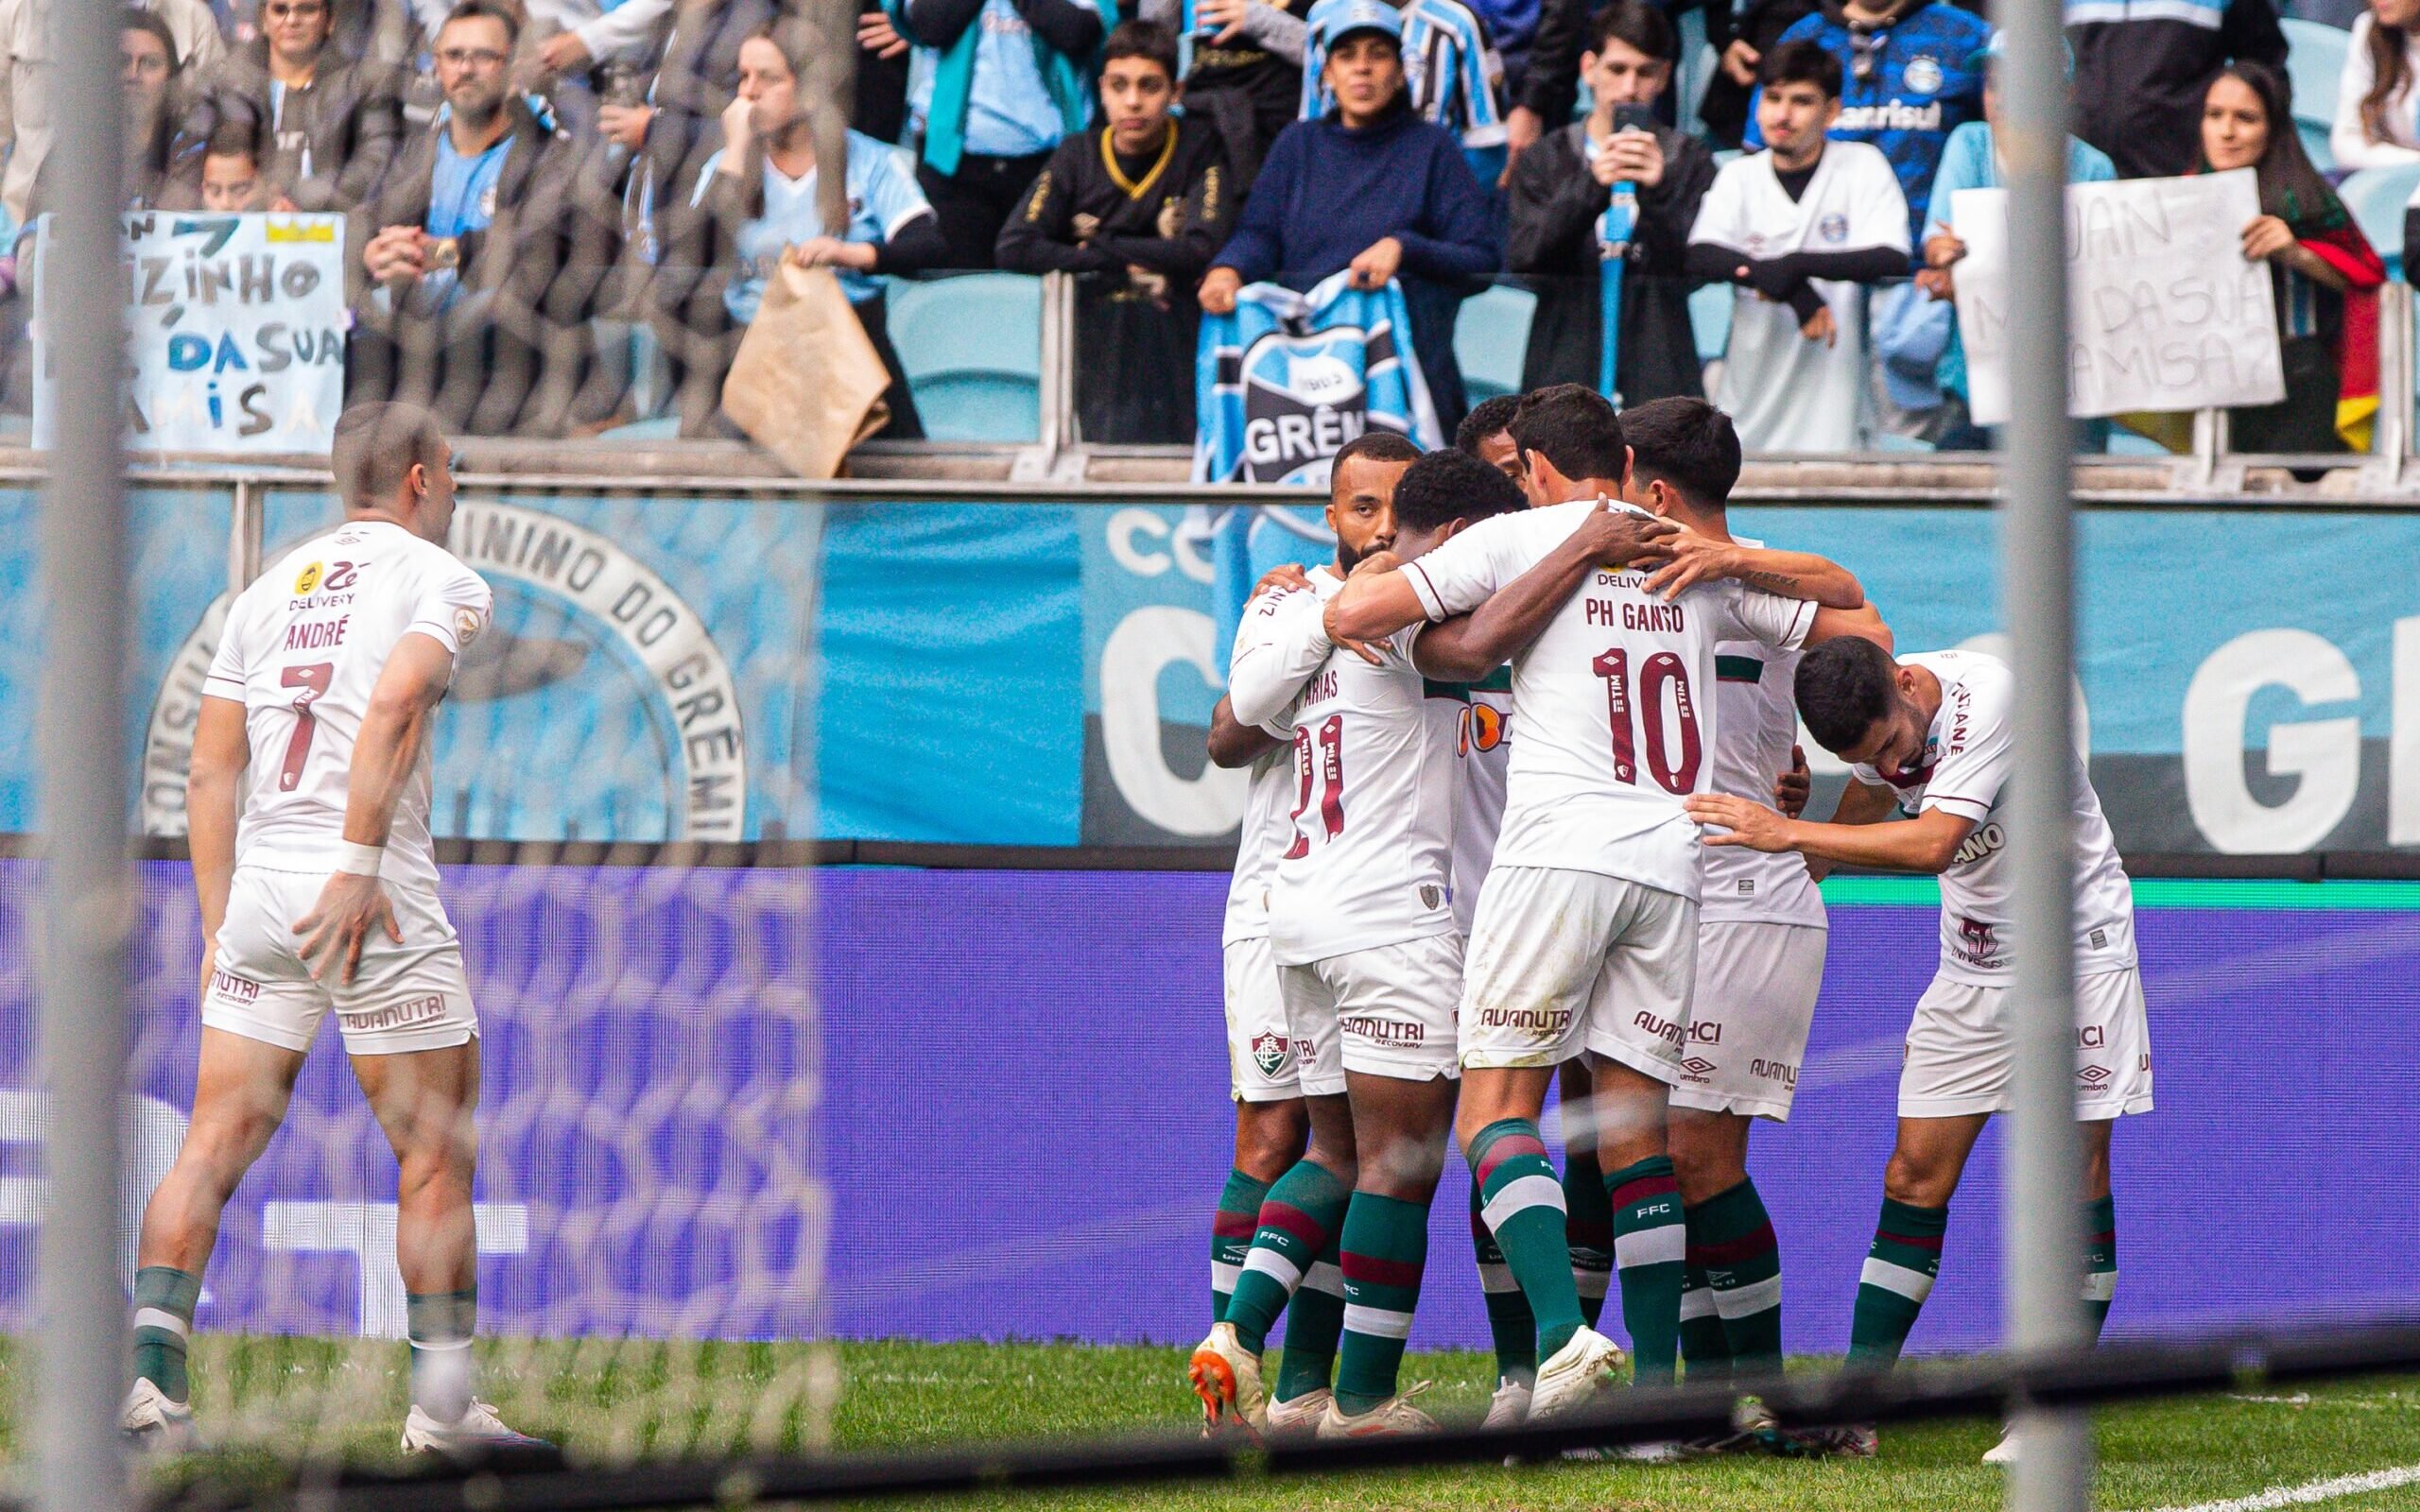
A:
971,350
1490,336
1711,318
657,428
2314,66
2376,197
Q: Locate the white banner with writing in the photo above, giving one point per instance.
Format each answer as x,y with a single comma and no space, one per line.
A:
235,332
2166,314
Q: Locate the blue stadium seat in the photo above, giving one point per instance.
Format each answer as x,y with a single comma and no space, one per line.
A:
655,428
1710,320
2314,66
2376,197
971,350
1490,336
2316,145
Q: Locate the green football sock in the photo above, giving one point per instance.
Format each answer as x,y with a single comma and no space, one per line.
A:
439,1325
1703,1349
1231,1229
165,1299
1521,1201
1651,1250
1588,1228
1313,1320
2099,1261
1385,1248
1297,1219
1898,1276
1731,1239
1509,1323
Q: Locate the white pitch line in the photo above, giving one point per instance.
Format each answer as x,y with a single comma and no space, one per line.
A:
2328,1490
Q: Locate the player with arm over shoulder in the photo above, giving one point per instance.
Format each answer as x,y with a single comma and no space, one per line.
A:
1273,1243
1586,935
1932,730
308,808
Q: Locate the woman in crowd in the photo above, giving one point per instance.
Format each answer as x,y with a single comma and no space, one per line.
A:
2377,117
327,126
754,208
2325,274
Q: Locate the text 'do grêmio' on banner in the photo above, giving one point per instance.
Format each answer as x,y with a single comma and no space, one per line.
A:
236,332
2166,314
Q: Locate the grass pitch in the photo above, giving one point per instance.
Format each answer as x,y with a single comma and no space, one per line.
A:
270,1400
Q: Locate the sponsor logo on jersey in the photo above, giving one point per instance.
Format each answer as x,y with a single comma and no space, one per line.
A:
1669,1030
1698,1068
466,625
2094,1075
1892,115
1547,1023
394,1015
226,984
1832,228
1983,840
1432,895
1269,1052
1379,1031
1706,1031
2091,1037
1924,76
1780,1070
307,582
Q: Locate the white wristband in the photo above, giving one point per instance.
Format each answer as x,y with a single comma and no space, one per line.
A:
359,860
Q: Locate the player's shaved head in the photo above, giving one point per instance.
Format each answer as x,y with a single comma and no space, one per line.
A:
1845,687
1378,446
1576,431
1443,487
377,447
1686,444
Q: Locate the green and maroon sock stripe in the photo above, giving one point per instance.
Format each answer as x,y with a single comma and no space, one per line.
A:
2099,1261
1898,1276
1385,1247
1514,1331
1731,1241
1295,1223
1231,1230
1651,1248
1313,1321
1521,1201
1588,1228
1703,1349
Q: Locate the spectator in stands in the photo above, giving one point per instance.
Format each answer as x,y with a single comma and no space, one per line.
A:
574,37
1452,75
1740,41
754,208
2325,274
485,247
1372,188
328,127
2141,71
1247,74
1799,227
150,73
1561,189
878,107
1141,205
230,174
1005,80
1486,433
2377,118
672,132
194,47
1973,161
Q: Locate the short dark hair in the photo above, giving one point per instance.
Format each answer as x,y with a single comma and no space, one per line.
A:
1378,446
1141,39
1642,26
1843,686
1487,417
1443,487
487,10
376,444
1803,61
1574,427
1686,443
233,139
134,18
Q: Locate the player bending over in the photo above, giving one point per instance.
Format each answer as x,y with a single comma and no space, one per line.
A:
1586,935
315,729
1929,736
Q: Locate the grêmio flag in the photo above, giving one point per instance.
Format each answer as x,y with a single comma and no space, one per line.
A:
1286,379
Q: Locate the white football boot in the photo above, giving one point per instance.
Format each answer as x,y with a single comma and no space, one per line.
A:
1577,1375
1299,1416
1226,1376
156,1425
1391,1419
478,1431
2006,1451
1509,1406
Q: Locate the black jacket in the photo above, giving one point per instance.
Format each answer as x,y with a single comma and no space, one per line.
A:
1555,202
345,126
2139,83
1172,223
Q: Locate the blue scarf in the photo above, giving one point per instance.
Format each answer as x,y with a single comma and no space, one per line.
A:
1069,83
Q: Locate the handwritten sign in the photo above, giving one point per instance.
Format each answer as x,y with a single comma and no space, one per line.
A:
2165,314
236,332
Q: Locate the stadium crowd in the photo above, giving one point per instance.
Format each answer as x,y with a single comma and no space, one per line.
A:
521,174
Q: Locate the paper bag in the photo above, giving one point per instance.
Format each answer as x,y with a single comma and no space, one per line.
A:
807,383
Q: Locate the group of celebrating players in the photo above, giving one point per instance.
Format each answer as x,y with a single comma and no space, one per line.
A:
1525,804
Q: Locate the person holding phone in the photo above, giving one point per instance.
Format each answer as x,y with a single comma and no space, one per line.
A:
1559,191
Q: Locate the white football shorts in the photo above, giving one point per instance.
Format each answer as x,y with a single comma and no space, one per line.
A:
1566,961
1262,1065
1388,1011
1961,1050
1756,999
408,997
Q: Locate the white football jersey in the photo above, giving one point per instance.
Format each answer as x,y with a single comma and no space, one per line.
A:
1370,862
1618,718
1277,647
1964,772
301,650
1756,725
1482,746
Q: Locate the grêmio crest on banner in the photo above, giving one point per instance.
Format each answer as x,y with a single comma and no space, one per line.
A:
235,332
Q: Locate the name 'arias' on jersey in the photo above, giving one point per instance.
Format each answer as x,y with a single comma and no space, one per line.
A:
301,650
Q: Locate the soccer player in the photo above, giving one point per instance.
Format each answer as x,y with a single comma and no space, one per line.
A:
315,728
1486,433
1280,1217
1929,736
1586,935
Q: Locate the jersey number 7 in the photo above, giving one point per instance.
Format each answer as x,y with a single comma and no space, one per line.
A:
1657,670
312,679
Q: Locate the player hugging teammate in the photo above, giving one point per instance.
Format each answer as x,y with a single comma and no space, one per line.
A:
1448,893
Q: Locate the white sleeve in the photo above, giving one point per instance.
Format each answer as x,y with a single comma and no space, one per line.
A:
1877,207
1974,765
1282,641
627,32
1777,621
1459,575
450,605
1719,213
225,679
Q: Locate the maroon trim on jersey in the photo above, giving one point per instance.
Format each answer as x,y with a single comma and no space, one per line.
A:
1433,597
